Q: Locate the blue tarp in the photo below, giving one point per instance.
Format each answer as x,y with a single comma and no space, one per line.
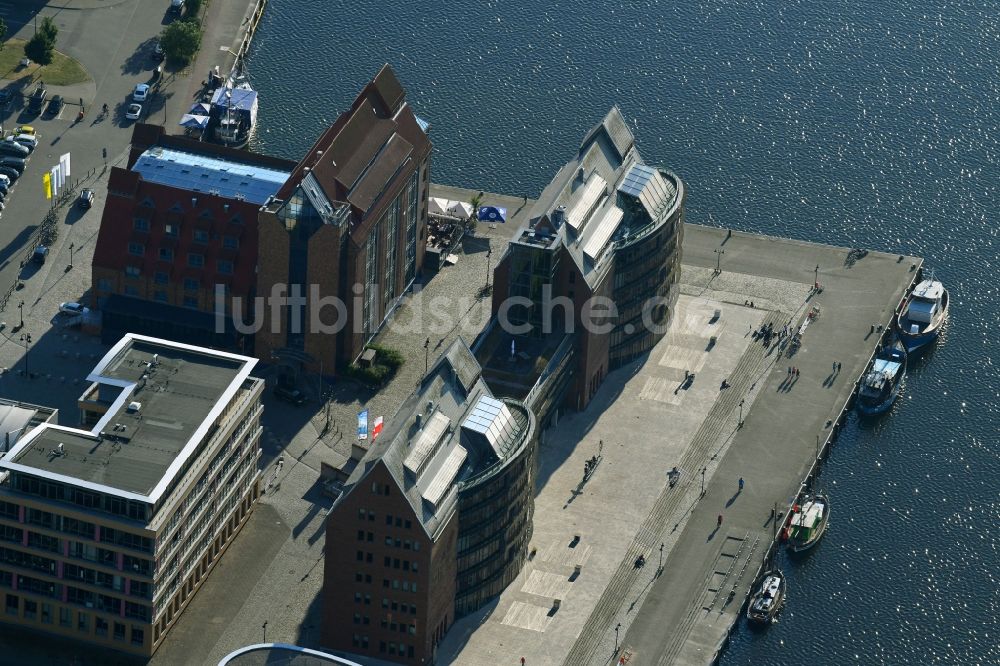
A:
492,214
242,99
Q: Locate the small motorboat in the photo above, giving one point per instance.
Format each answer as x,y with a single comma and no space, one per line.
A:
768,599
808,522
924,315
883,383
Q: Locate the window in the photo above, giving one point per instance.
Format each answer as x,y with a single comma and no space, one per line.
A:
191,301
357,618
65,617
136,249
225,266
388,519
368,557
388,541
140,224
371,537
360,556
138,636
357,597
200,236
170,230
399,522
131,291
386,561
358,577
160,296
371,516
166,254
230,242
100,626
361,535
82,621
13,604
407,524
132,271
47,613
160,277
119,631
196,260
30,609
105,284
191,284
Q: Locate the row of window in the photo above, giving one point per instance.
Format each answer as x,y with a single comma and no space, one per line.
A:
33,485
402,649
194,260
32,610
200,236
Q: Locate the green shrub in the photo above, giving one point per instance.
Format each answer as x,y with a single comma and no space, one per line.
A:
387,356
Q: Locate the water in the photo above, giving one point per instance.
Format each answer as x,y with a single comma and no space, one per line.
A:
848,122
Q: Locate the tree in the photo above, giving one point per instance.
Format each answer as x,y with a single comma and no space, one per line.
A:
192,7
180,41
3,32
43,44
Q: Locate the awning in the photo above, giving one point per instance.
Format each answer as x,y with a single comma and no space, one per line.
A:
460,209
200,109
436,206
192,121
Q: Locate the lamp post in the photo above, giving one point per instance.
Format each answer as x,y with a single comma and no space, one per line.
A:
741,414
718,260
71,246
617,627
20,308
660,567
427,352
26,339
489,253
816,276
264,628
703,470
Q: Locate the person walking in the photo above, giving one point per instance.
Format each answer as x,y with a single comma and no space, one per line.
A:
741,484
720,521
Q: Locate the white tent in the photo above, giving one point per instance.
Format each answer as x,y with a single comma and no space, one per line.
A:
192,121
460,209
437,206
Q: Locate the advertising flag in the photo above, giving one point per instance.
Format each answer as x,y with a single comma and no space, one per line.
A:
54,179
363,424
47,184
64,163
377,427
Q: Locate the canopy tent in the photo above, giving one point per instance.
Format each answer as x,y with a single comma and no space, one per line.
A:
492,214
192,121
460,209
200,109
437,206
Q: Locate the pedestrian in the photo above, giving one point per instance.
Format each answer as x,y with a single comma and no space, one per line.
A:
839,366
789,369
751,304
796,372
741,484
834,366
720,521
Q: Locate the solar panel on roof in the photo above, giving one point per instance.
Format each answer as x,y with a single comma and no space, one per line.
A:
194,172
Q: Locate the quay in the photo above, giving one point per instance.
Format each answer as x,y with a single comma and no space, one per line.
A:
647,423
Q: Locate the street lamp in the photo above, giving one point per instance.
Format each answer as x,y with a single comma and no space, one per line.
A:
816,276
20,308
26,339
617,627
741,414
427,352
489,253
71,246
264,627
718,260
703,470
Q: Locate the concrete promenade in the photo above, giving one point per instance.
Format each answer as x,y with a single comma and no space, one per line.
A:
647,426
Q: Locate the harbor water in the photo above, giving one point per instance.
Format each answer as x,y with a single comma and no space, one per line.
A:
860,124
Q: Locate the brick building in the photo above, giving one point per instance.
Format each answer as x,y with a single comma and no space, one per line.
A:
108,531
351,223
607,226
179,224
434,521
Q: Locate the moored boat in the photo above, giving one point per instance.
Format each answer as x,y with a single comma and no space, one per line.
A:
233,114
882,384
924,315
768,599
808,522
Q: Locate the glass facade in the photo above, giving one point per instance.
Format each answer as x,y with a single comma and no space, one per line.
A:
495,510
412,217
531,268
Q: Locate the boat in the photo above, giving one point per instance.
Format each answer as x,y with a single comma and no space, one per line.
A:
233,114
924,315
768,599
882,384
808,522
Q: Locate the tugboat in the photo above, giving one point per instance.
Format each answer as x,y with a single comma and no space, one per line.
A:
768,600
808,522
882,384
926,310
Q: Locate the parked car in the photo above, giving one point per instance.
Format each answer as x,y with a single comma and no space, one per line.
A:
13,148
158,51
55,105
37,100
141,92
72,308
294,396
29,141
24,129
86,199
134,111
15,163
10,173
38,256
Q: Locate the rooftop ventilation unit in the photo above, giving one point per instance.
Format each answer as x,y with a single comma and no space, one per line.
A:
134,406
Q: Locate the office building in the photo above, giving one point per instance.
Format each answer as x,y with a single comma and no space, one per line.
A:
606,229
348,225
178,239
107,531
434,521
